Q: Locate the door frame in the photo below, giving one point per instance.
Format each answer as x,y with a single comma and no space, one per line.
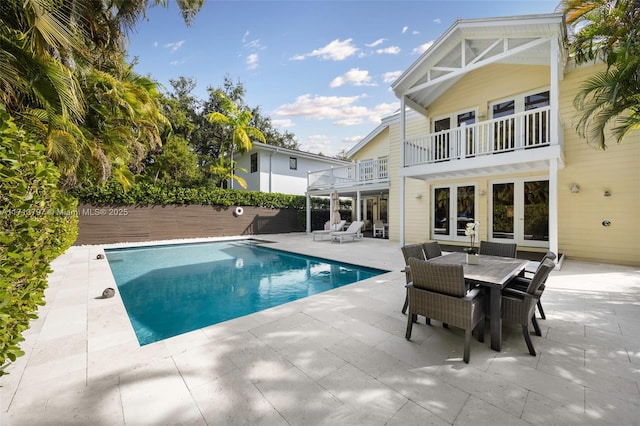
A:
518,211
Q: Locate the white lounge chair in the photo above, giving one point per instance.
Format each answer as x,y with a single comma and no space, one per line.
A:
353,231
329,228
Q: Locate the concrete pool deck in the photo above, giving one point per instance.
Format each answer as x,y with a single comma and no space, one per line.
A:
336,358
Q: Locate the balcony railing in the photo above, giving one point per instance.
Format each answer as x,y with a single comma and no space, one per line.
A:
360,173
529,129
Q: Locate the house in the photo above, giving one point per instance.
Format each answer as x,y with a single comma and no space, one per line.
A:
487,132
271,168
365,180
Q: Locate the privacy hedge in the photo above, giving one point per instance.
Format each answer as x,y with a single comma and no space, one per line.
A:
146,193
38,223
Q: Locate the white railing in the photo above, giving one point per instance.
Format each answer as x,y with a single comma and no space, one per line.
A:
360,173
524,130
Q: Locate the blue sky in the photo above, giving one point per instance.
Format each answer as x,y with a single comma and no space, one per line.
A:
320,69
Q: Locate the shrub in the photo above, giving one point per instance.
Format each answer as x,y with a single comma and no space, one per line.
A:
38,223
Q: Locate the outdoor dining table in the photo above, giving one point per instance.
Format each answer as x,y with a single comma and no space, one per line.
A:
492,272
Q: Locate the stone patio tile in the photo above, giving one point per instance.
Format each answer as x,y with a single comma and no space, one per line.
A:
610,409
312,358
156,394
552,386
486,387
366,358
411,414
233,399
479,412
299,399
357,389
428,391
202,364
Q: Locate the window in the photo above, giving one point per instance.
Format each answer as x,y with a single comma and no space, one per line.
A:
293,163
254,162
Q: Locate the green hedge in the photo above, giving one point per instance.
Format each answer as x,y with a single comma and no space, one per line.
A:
38,223
145,193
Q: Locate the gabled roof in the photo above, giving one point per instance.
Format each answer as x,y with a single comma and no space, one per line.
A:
472,43
259,146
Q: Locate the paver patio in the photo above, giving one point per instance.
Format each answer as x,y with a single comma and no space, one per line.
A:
336,358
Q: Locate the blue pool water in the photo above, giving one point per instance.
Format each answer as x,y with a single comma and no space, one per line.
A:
172,289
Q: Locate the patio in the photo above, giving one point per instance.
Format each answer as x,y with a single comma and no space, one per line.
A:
337,358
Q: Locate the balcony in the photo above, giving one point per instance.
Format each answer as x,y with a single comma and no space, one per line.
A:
360,175
517,132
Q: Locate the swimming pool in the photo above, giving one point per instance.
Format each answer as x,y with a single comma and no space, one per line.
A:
172,289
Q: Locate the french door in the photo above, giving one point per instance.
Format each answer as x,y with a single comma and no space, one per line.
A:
520,212
454,206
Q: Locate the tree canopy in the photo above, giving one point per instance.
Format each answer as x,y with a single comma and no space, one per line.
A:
608,31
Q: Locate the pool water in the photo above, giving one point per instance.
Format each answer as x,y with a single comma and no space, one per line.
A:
172,289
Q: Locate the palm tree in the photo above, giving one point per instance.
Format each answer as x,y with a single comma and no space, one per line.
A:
236,122
609,31
51,52
224,170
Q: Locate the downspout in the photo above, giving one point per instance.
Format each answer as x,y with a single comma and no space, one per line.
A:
402,164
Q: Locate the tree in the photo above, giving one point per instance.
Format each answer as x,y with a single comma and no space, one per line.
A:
223,170
51,53
175,163
236,122
607,30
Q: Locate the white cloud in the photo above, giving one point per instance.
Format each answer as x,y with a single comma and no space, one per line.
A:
422,48
174,46
391,50
155,44
335,51
245,36
342,110
316,107
252,61
415,32
318,144
378,42
352,139
177,62
283,124
355,76
405,29
390,77
437,21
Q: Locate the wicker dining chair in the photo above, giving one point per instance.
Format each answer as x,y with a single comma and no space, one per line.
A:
519,306
431,249
522,282
409,251
498,249
439,292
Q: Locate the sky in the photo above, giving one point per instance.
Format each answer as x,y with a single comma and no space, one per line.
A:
321,70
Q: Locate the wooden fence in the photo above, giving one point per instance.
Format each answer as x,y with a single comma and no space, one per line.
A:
102,224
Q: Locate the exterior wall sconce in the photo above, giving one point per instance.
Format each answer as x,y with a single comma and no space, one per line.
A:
575,189
418,195
482,193
607,193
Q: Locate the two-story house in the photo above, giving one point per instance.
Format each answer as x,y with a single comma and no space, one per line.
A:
487,132
270,168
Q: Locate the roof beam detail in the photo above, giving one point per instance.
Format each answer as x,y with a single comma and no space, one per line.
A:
475,65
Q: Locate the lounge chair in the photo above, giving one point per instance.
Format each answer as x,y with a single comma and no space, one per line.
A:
353,231
329,228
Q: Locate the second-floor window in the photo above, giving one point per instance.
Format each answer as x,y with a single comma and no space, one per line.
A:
254,162
293,163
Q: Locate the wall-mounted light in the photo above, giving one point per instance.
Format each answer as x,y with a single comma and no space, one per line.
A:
575,189
607,193
418,195
482,193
